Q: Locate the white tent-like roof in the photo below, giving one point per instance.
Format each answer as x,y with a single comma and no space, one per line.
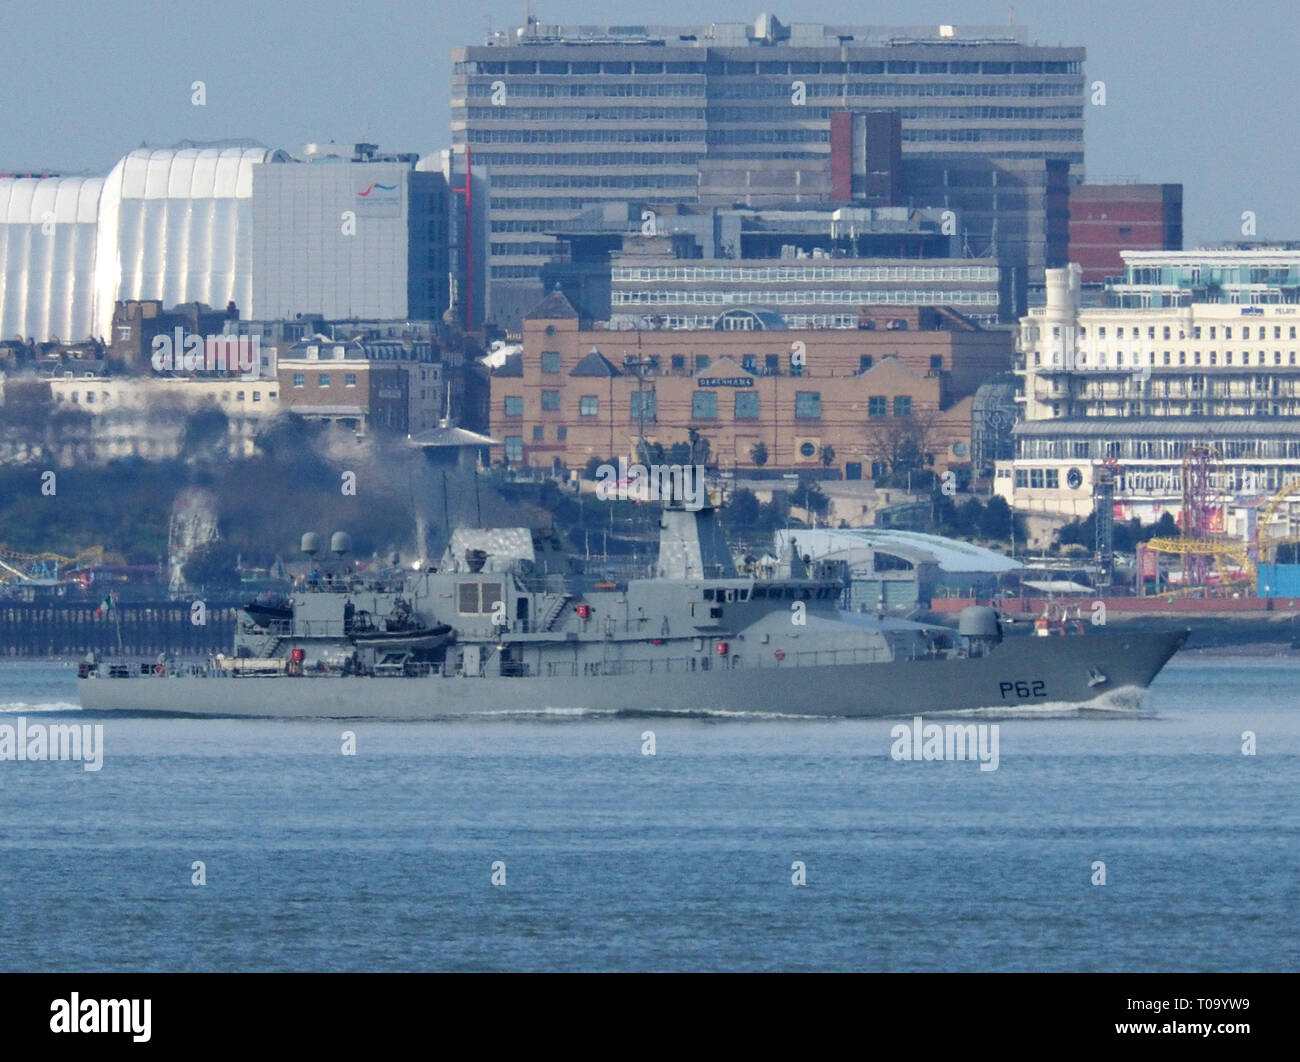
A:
950,554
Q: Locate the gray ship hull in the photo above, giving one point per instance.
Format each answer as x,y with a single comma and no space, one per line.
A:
1019,672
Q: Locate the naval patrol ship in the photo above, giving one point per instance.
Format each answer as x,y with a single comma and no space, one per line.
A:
508,623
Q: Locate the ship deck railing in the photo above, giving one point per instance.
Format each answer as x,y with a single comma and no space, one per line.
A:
703,665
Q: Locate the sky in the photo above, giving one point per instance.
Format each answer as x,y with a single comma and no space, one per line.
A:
1198,92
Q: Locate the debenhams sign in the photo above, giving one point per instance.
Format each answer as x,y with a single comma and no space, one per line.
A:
726,381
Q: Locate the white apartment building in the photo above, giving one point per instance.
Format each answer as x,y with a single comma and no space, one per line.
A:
1192,348
127,409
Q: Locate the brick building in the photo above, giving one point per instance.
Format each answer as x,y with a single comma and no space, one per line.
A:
1108,218
338,382
576,392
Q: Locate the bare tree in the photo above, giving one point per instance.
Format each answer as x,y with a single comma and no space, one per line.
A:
902,444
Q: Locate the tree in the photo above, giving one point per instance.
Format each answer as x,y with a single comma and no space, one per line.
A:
27,406
742,510
901,444
775,513
214,567
679,454
809,497
995,521
699,448
968,518
1165,527
650,453
758,453
945,513
206,433
287,436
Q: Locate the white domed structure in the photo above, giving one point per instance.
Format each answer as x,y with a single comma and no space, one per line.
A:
47,256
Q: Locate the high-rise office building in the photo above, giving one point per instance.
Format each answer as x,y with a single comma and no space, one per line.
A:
560,117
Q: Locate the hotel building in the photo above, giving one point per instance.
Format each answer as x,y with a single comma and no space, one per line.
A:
1191,349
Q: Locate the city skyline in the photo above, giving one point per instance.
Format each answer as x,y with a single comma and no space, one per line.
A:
1156,125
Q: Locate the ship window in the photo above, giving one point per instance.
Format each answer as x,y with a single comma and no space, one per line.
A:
477,598
715,612
467,600
708,595
759,592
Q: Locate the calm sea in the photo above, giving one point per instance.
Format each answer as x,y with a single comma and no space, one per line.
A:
615,860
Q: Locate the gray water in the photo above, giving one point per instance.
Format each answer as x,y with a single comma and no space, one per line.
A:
615,860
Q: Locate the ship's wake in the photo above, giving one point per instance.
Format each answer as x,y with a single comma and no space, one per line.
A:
1127,701
639,713
23,708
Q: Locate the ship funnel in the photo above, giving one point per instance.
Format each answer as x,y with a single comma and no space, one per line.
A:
311,543
340,543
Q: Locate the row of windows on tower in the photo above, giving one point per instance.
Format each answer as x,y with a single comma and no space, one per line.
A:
323,379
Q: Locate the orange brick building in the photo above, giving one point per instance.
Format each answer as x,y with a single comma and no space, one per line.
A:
575,392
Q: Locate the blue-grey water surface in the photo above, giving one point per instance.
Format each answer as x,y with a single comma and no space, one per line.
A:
679,861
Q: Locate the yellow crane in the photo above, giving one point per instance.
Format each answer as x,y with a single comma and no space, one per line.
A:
1221,551
1267,539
